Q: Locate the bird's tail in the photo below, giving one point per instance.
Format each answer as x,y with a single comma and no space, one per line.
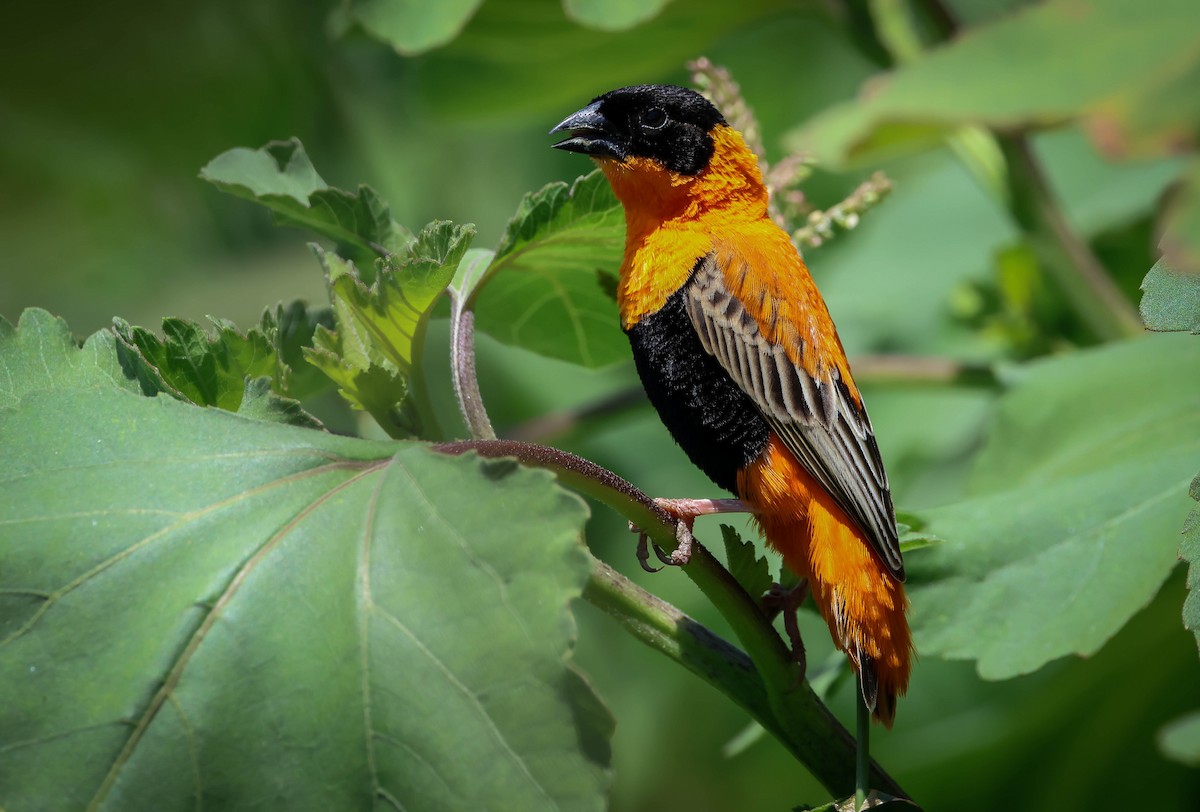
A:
863,605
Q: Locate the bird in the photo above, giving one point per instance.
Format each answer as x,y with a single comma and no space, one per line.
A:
738,354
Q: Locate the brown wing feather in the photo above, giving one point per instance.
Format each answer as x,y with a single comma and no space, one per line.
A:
818,420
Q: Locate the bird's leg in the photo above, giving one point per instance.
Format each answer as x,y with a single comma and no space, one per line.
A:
685,511
788,601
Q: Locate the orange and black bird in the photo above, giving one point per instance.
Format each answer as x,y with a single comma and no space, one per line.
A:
739,356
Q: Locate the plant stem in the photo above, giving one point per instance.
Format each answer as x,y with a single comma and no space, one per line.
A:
922,371
1018,183
1083,280
669,631
862,780
462,368
791,712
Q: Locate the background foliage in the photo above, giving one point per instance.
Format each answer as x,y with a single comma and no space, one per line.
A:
1055,459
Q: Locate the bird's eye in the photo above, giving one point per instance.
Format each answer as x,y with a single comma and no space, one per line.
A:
654,118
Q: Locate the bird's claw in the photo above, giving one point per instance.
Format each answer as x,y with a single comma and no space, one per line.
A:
643,550
788,601
681,555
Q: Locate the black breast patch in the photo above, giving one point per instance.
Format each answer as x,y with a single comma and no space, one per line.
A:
711,418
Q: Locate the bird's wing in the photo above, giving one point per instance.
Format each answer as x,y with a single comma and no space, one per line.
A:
818,416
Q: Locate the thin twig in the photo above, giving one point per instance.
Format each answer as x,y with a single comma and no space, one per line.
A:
862,772
1081,277
1020,184
920,370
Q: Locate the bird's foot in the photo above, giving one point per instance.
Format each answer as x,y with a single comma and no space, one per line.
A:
787,600
685,511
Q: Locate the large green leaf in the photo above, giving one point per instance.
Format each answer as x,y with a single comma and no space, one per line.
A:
281,177
412,28
1171,299
1076,503
1189,551
197,609
1101,54
544,289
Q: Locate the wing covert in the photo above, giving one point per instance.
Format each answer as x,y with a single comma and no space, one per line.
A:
819,421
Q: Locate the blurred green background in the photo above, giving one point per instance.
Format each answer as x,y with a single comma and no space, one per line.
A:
108,112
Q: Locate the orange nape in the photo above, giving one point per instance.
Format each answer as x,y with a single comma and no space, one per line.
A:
861,602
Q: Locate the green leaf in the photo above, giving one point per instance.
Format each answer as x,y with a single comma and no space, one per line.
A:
1180,740
412,28
1076,503
1171,299
197,609
996,76
41,352
542,291
752,572
220,370
281,177
612,15
370,356
1189,551
913,532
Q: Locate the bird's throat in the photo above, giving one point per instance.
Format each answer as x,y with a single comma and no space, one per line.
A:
671,219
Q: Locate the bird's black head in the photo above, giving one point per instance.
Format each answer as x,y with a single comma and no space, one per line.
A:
668,124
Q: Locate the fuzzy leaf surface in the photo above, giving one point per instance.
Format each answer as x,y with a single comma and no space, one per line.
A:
1171,299
197,609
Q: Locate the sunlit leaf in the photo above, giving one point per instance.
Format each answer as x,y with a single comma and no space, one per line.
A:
542,291
369,354
1076,503
997,76
197,609
281,177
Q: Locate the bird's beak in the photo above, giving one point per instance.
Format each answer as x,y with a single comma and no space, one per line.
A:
591,134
